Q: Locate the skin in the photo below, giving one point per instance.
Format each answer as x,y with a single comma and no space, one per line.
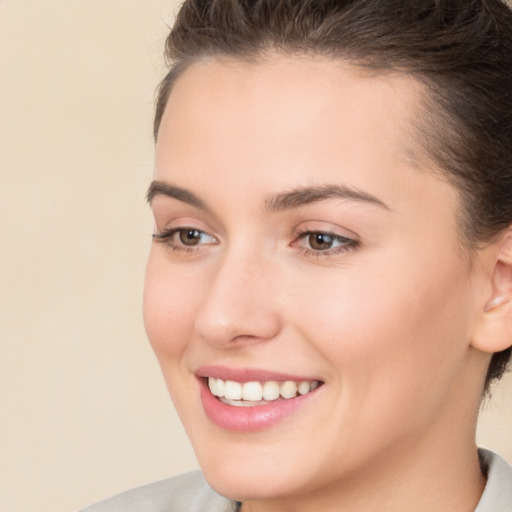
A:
393,325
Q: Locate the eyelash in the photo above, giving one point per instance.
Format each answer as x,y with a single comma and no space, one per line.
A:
347,244
166,236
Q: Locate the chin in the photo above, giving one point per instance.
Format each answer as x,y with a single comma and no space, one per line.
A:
244,471
249,484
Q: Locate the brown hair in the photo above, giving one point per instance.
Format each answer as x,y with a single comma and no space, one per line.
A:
461,50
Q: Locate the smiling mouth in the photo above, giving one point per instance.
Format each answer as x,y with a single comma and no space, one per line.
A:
254,393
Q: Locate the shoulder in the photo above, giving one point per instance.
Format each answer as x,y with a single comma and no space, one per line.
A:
184,493
497,496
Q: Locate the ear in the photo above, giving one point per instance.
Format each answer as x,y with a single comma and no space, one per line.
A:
493,332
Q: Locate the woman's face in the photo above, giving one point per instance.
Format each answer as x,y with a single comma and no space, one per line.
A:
301,238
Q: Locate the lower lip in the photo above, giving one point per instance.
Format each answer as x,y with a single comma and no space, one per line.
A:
248,419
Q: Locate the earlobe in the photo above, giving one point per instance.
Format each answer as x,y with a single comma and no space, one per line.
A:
493,332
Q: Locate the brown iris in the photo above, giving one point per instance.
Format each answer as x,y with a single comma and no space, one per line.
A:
320,241
189,236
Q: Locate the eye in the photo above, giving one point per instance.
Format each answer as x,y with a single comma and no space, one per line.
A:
184,239
320,243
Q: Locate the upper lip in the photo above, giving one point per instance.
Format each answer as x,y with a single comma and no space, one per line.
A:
247,374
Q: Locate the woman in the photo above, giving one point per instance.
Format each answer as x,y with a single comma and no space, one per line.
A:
329,291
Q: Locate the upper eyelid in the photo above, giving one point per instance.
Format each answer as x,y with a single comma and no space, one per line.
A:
167,232
331,229
168,214
302,232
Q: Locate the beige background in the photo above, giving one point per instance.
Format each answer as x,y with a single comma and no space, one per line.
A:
84,412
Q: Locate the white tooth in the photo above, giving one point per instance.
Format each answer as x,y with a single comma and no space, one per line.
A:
314,384
270,390
220,387
304,388
252,391
288,389
232,390
212,384
242,403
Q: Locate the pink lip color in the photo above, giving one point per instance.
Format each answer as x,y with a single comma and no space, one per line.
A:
247,419
247,374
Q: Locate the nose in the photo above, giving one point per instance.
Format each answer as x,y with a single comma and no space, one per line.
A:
240,304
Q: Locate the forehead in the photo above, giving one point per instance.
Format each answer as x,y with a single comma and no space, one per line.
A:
303,112
290,98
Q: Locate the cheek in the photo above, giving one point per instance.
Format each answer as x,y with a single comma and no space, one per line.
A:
168,309
394,339
389,325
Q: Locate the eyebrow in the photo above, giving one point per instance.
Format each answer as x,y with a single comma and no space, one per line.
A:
293,199
161,188
308,195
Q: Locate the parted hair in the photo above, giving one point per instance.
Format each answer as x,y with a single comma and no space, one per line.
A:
460,50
